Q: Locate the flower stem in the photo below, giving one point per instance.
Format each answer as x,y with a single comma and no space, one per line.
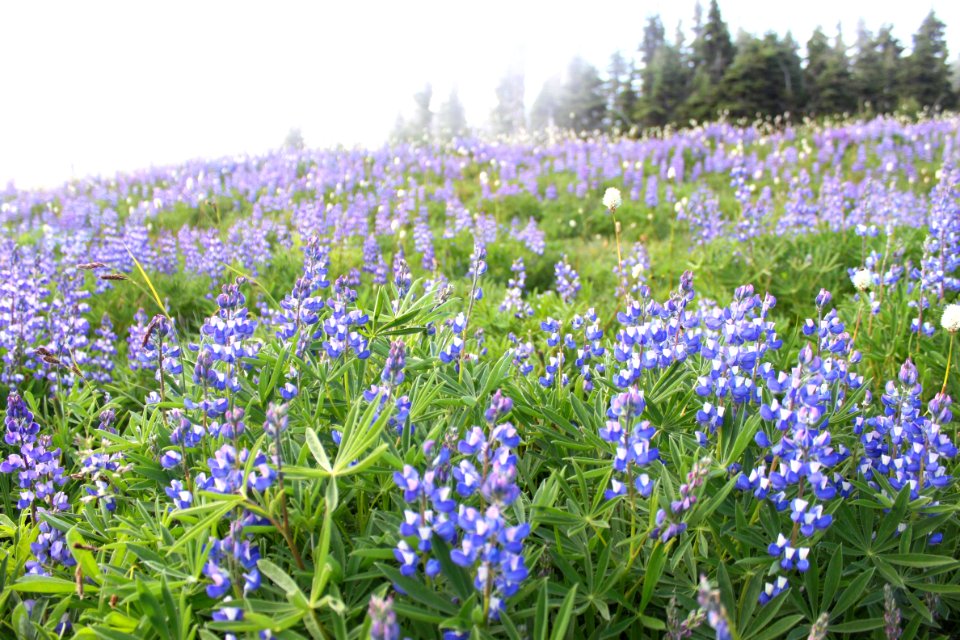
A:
946,373
616,233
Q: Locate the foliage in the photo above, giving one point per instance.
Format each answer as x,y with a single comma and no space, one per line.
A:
476,390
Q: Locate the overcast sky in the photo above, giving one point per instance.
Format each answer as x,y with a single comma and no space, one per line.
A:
95,87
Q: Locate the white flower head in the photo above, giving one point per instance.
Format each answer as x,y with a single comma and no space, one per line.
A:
612,199
862,280
950,320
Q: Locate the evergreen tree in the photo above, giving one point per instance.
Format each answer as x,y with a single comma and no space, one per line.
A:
928,73
581,106
621,96
452,119
713,51
401,130
877,71
827,78
294,140
421,125
955,77
866,71
544,111
663,103
765,77
654,38
508,116
892,69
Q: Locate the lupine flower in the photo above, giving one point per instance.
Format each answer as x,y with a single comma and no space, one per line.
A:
233,550
904,445
678,629
38,468
383,621
670,524
818,630
568,280
50,550
891,614
632,439
709,599
482,538
513,301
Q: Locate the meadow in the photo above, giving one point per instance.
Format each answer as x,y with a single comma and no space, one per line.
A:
696,384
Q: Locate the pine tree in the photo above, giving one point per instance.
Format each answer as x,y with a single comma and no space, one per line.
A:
581,106
928,73
765,77
827,77
421,125
892,69
452,119
621,96
544,111
653,40
670,85
713,51
877,71
866,72
294,140
508,116
401,129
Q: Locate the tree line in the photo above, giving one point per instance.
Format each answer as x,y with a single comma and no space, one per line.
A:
675,81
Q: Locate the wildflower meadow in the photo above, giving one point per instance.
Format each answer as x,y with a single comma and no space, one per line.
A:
693,384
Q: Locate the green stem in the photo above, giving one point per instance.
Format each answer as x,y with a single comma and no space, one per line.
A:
946,373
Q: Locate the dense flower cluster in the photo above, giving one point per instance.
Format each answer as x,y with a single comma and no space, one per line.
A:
36,464
483,479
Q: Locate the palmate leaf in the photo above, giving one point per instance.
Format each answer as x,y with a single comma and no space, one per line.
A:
213,513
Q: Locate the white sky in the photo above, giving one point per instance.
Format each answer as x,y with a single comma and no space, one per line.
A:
95,87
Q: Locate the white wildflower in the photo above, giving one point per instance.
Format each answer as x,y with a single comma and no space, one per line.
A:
862,280
612,199
950,320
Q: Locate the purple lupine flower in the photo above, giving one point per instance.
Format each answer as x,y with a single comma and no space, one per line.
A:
709,599
568,280
383,621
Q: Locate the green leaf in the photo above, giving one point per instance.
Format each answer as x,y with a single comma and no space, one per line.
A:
219,510
562,621
744,438
46,584
832,579
921,560
540,621
88,564
857,626
457,575
285,582
418,591
779,628
652,575
316,448
852,594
